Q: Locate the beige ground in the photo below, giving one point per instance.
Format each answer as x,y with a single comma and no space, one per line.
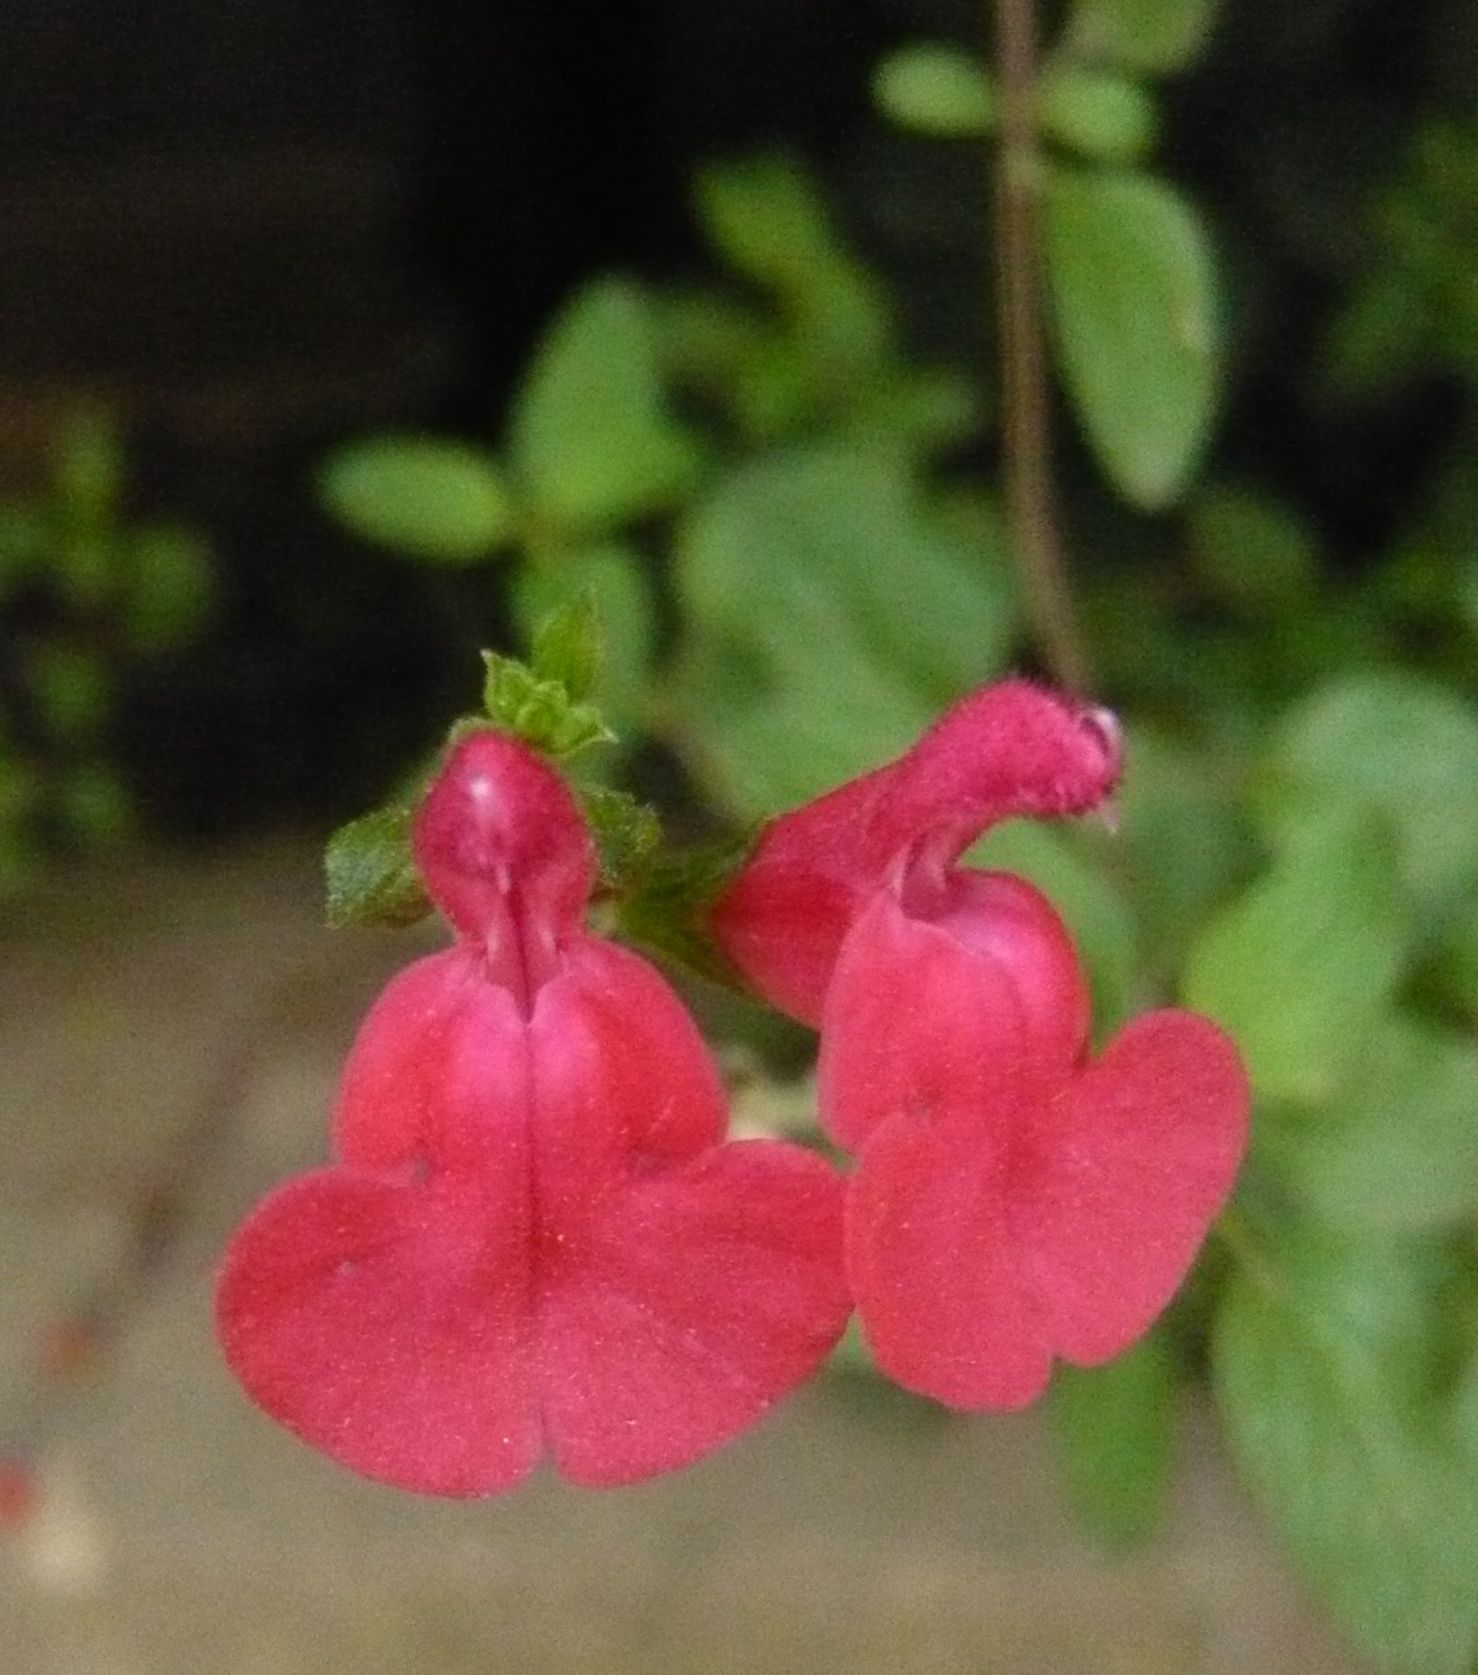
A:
182,1026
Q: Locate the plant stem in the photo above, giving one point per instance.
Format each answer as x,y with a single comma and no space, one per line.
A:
1025,399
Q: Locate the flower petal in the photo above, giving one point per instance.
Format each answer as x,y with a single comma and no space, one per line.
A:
1126,1176
916,1022
935,1269
387,1324
707,1293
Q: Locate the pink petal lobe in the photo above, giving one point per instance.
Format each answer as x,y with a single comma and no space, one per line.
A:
683,1285
386,1325
935,1270
1125,1175
707,1292
916,1021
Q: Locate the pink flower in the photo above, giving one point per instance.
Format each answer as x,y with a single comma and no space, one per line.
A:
533,1237
1014,1201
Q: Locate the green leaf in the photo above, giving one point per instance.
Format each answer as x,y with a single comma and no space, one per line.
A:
89,470
1253,552
1147,37
93,803
1397,1150
540,712
592,441
832,610
1114,1430
627,833
1301,965
566,645
171,587
1105,117
614,576
71,691
1133,299
666,905
1058,862
935,89
1403,747
23,542
1321,1362
372,880
766,218
440,501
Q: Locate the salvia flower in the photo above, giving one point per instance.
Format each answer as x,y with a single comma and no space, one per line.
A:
534,1238
1014,1200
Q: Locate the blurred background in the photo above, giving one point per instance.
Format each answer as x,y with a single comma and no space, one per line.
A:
338,342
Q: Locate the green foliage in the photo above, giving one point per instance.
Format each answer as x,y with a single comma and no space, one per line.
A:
592,442
1103,116
439,501
1323,1364
1299,966
372,881
935,89
1133,302
809,657
1114,1430
87,595
1253,553
1147,37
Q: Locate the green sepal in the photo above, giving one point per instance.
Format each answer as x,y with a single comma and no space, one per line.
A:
372,880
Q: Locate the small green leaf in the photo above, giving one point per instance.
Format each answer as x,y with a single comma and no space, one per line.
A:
372,880
93,803
171,587
935,89
71,691
23,542
1397,1150
440,501
1406,749
666,906
592,440
1132,287
89,470
614,576
1252,551
1114,1427
1146,37
567,645
1106,117
1322,1363
540,712
627,833
1299,967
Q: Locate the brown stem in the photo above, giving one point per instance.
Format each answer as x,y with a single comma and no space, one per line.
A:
1025,401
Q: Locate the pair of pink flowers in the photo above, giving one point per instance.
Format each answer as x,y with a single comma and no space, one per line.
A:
535,1237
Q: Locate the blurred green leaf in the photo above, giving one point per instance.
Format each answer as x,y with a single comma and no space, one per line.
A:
93,804
171,586
832,609
1397,1149
1301,965
1114,1430
932,88
666,906
766,218
615,578
627,833
1150,37
372,880
22,544
1105,117
70,689
1091,904
1132,287
566,645
1320,1362
1404,748
1254,553
592,441
88,471
441,501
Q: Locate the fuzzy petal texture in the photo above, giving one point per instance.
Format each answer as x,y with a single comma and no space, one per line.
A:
1009,750
1052,1224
